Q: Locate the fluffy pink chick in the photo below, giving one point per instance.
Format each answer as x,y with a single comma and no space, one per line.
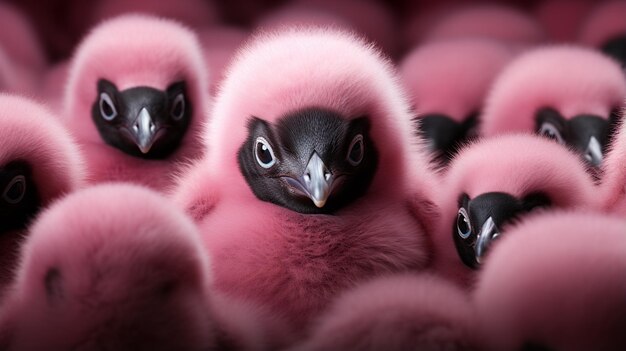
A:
136,99
556,282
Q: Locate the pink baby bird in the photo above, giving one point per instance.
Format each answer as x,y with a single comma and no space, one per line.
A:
492,184
447,82
136,98
312,180
556,282
39,163
397,312
499,22
566,93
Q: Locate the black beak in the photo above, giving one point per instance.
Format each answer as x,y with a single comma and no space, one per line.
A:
487,213
589,136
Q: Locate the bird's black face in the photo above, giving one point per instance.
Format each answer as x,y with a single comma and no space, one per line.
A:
479,220
142,121
311,161
444,135
616,48
588,135
19,201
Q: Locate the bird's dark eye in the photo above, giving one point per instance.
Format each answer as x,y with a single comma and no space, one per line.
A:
356,151
549,130
178,109
463,226
263,153
107,108
15,190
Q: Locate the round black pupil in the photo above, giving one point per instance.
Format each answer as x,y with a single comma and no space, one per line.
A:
107,109
357,151
16,190
263,152
461,224
178,109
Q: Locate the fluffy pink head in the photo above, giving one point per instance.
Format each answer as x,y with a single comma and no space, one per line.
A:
572,80
514,164
402,312
562,18
556,281
194,13
604,22
132,51
491,21
31,133
111,267
19,39
282,72
452,77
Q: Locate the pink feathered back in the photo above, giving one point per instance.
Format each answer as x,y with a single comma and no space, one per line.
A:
556,281
513,164
573,80
396,312
614,173
452,77
499,22
110,267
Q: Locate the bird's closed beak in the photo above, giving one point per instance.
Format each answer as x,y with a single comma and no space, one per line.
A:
144,131
593,153
315,183
317,180
488,232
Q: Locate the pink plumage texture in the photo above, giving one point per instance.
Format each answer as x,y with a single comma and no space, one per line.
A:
312,175
135,51
397,312
517,165
111,267
55,162
576,302
298,261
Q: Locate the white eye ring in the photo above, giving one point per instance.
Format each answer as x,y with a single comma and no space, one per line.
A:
106,99
180,99
357,140
16,180
265,146
462,212
549,130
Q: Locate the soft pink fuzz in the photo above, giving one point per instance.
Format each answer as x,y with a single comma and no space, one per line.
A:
30,133
604,22
295,263
112,267
194,13
514,164
614,172
573,80
401,312
452,77
133,51
557,281
490,21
